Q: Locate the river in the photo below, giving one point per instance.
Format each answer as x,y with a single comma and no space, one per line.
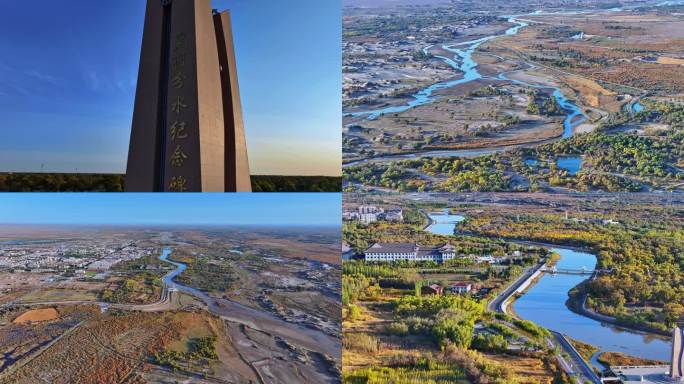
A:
180,267
544,304
463,62
301,335
443,223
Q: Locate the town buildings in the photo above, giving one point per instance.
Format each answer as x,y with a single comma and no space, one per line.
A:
370,214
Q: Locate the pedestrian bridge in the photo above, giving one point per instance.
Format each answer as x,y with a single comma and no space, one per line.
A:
568,271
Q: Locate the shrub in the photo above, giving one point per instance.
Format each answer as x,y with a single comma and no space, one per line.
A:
354,312
360,342
398,329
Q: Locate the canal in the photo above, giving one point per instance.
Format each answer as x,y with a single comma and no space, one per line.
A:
544,304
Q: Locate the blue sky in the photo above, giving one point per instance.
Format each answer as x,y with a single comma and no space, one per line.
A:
274,209
68,72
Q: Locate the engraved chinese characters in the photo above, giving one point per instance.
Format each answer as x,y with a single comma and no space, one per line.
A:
188,133
177,129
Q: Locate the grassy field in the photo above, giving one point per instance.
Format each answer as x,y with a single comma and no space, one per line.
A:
116,347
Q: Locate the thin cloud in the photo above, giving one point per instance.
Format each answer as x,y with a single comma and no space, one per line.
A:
93,79
44,77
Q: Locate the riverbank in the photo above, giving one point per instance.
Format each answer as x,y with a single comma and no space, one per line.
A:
308,338
507,305
574,303
546,303
543,299
577,303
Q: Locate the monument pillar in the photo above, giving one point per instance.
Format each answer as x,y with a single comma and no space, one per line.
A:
187,134
677,361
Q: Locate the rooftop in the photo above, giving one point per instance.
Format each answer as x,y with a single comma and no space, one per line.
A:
392,248
652,374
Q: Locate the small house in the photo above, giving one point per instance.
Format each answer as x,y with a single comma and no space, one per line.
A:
433,289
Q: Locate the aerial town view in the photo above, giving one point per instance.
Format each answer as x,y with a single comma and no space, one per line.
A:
513,96
513,288
178,302
513,175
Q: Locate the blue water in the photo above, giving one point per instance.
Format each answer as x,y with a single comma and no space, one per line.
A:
463,55
574,115
444,223
532,162
180,267
637,107
572,164
670,2
544,304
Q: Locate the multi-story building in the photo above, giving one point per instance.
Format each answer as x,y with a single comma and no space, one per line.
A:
409,251
370,214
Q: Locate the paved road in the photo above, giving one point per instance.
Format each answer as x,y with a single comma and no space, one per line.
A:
575,366
580,367
495,305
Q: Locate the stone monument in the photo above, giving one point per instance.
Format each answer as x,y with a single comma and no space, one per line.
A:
188,132
677,364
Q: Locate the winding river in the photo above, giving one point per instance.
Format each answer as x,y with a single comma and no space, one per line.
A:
180,267
463,62
544,304
301,335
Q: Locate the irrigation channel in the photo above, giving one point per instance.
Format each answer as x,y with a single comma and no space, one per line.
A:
544,304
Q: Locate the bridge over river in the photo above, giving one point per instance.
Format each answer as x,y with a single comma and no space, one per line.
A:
543,302
573,271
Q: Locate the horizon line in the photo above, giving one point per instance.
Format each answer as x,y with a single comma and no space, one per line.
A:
179,224
124,174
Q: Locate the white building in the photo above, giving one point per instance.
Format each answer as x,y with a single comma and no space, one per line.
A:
368,218
409,251
370,214
460,288
394,215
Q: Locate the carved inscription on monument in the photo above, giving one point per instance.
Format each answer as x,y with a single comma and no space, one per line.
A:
178,126
187,134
